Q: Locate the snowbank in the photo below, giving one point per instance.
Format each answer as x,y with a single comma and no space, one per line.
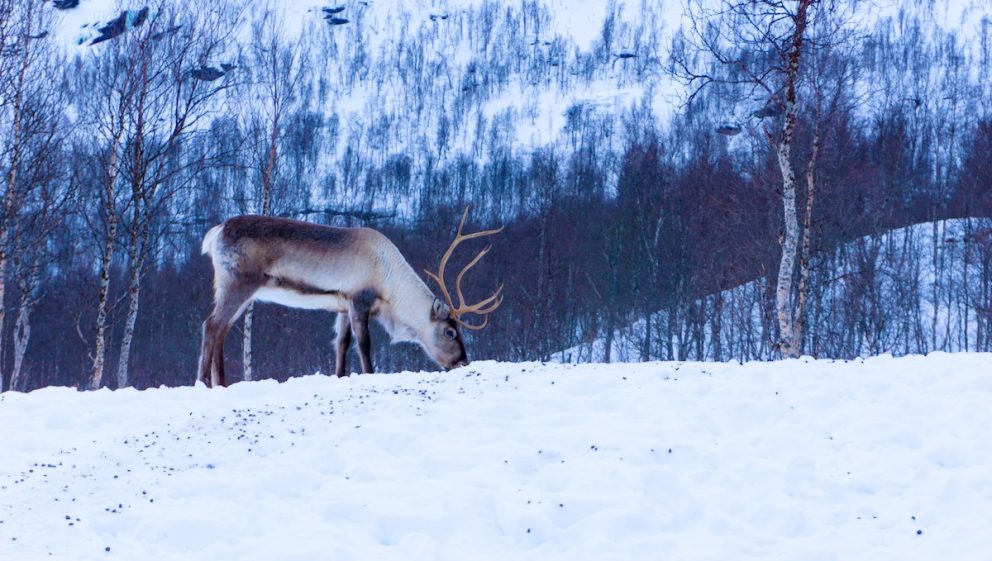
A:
881,459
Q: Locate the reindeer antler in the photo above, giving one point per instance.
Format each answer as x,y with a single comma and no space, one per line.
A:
483,307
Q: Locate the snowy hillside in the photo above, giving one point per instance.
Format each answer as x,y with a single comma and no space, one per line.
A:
881,459
920,287
410,88
528,66
527,72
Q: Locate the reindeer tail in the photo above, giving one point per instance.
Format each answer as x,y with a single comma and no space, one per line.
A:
210,240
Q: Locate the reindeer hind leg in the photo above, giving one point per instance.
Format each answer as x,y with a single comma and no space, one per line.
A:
231,303
206,352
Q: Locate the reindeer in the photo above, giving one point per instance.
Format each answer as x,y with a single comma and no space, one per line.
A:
356,272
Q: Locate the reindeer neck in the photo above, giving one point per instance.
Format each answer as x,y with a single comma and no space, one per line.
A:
408,301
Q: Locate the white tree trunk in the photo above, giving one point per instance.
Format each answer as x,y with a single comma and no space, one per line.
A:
247,375
100,351
110,231
789,343
132,317
10,203
22,334
804,255
134,293
790,243
272,154
3,287
22,326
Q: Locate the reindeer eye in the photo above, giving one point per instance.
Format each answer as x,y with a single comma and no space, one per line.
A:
450,333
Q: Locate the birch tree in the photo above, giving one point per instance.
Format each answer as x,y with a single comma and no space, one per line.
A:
175,56
272,94
42,209
30,108
154,87
759,51
44,214
106,81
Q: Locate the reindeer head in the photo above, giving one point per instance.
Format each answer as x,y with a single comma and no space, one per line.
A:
447,347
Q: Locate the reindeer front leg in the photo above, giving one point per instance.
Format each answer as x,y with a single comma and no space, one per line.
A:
343,328
360,311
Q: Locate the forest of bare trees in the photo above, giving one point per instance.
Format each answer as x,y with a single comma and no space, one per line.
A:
823,186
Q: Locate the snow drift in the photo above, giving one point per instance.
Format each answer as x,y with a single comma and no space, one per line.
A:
878,459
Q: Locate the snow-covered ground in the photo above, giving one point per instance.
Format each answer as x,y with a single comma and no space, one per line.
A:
816,460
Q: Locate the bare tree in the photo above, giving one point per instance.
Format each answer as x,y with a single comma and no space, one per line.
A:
31,102
272,93
758,50
173,92
107,82
153,87
44,214
42,209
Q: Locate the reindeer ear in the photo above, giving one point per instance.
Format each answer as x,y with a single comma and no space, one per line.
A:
440,310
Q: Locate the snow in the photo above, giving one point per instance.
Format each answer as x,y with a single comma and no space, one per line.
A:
885,458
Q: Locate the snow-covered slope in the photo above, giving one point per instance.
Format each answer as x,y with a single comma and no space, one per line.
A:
918,289
881,459
557,33
411,88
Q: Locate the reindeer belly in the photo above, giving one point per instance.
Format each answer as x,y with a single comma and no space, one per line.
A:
304,301
299,295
